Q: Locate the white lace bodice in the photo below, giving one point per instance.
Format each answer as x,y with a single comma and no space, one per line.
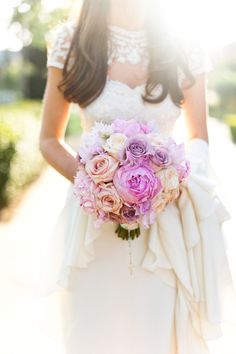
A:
119,100
127,46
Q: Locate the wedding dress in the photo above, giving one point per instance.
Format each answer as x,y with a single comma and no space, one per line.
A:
181,289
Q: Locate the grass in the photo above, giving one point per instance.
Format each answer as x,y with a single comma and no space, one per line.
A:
18,109
74,125
32,109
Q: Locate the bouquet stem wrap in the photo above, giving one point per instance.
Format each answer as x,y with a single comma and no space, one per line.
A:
126,231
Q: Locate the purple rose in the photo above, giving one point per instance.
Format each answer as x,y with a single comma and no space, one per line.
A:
129,214
161,157
136,184
136,148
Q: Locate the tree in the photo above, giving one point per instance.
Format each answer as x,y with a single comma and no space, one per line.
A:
32,18
32,22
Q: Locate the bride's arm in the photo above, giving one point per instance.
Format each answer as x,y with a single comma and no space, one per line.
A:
55,116
195,113
195,109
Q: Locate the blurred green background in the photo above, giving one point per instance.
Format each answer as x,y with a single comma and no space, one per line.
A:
22,83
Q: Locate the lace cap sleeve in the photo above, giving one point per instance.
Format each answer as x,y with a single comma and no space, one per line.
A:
198,60
58,42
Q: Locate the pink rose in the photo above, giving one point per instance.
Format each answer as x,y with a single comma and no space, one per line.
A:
136,184
108,199
101,168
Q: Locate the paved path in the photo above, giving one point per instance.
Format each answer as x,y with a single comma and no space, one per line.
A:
22,242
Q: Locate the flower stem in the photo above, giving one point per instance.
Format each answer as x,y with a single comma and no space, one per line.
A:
126,234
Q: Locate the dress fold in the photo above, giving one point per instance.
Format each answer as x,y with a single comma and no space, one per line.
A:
184,249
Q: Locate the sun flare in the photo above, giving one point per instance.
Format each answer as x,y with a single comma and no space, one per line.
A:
209,21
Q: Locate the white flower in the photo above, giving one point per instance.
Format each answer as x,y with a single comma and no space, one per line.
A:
102,130
169,178
115,143
159,203
155,139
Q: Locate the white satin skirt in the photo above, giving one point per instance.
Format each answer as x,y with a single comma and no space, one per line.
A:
179,294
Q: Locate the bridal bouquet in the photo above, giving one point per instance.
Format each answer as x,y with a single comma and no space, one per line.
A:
127,173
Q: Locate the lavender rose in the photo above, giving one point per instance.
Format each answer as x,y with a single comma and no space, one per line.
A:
137,147
129,214
136,184
161,157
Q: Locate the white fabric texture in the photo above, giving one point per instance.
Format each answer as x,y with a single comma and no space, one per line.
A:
127,46
181,290
197,151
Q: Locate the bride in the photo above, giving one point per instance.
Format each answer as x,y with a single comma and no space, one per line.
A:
120,61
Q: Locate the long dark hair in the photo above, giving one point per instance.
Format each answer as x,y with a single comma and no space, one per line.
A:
84,80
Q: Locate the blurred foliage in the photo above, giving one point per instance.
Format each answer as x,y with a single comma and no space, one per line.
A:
10,76
223,82
20,159
27,108
34,72
230,119
38,21
7,152
25,72
74,124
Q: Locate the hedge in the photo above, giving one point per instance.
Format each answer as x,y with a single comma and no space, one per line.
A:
20,159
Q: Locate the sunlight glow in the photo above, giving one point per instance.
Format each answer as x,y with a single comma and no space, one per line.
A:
53,4
209,21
